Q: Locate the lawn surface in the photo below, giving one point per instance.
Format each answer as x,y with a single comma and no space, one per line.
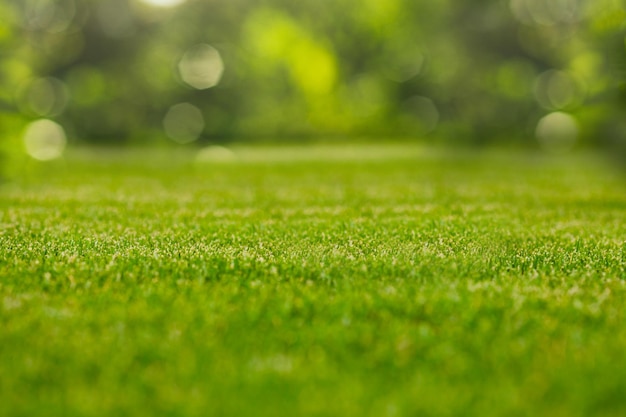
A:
323,281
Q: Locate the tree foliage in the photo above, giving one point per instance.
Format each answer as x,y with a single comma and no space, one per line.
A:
473,72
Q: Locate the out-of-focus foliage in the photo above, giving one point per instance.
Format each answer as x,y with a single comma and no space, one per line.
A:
118,71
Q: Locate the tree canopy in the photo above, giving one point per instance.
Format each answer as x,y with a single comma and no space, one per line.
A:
119,71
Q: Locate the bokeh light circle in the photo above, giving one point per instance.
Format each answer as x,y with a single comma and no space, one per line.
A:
201,67
557,132
555,90
52,16
183,123
46,97
44,140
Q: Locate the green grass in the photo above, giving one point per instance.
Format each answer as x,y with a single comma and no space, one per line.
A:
323,281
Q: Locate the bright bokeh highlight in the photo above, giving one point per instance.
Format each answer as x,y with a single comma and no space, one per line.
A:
201,67
45,140
278,43
557,132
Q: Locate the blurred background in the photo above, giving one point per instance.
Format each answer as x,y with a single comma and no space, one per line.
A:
536,73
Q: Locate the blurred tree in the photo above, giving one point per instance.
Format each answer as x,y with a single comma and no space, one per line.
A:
14,70
118,71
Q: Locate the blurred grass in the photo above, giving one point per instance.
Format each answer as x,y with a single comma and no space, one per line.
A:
365,281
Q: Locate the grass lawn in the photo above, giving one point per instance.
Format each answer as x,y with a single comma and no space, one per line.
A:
322,281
